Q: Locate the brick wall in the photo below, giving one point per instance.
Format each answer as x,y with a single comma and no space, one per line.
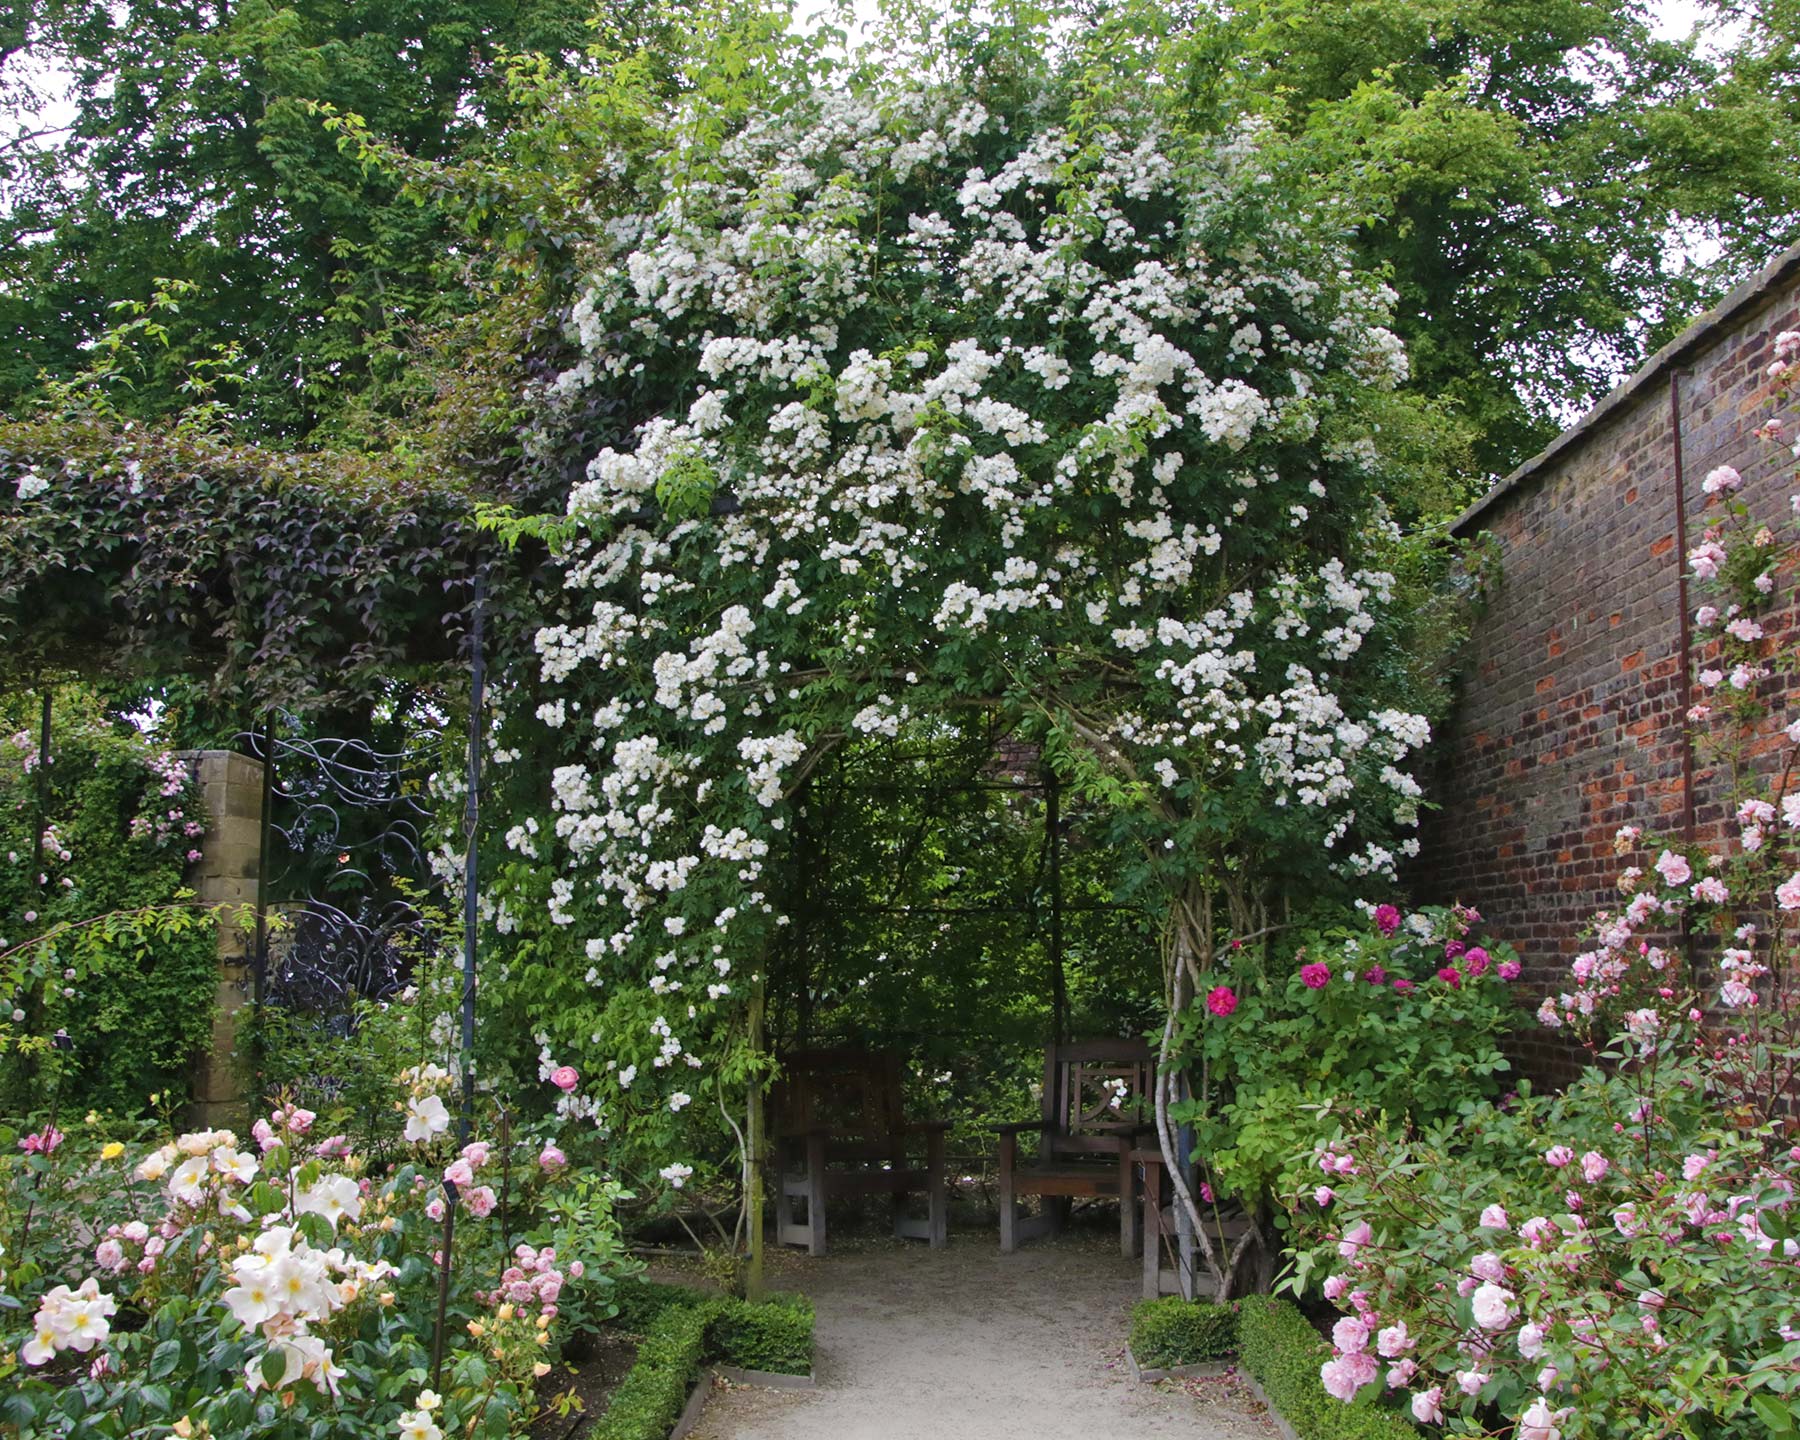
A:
1568,724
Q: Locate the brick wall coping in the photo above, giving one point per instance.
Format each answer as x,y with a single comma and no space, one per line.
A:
1755,292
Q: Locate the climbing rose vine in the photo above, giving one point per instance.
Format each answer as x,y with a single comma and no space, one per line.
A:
945,406
1622,1259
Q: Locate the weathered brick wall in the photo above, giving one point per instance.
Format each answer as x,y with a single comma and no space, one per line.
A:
1569,721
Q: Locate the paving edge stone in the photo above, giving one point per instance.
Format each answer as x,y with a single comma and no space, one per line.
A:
696,1403
1279,1420
1205,1370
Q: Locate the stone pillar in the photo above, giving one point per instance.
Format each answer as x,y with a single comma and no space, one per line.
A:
226,874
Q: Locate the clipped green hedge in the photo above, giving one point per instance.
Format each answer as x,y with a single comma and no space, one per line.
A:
1281,1349
1173,1331
776,1336
684,1331
650,1399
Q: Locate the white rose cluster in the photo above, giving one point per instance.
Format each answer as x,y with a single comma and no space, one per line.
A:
974,405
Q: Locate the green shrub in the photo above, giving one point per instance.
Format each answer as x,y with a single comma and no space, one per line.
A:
684,1330
651,1398
1173,1331
776,1336
1282,1350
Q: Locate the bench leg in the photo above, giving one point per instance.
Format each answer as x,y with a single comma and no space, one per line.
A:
815,1194
937,1193
1009,1202
1129,1238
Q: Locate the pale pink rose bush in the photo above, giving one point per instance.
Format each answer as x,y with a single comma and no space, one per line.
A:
1621,1259
267,1285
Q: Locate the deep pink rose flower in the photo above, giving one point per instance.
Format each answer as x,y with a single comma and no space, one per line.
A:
1451,976
1476,960
1453,949
1402,986
1221,1000
1315,976
1375,975
565,1077
1509,970
1387,919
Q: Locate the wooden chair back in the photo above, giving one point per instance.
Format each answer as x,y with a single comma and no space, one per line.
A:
853,1092
1095,1092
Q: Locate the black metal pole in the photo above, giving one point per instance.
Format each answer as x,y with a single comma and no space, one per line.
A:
471,826
42,789
1059,983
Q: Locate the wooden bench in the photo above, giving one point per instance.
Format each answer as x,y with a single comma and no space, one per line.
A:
1171,1254
1096,1111
839,1128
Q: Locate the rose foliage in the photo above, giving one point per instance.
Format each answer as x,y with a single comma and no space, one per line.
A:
1622,1259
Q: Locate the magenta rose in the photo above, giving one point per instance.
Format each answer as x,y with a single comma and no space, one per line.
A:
1221,1000
1375,975
1451,976
1315,976
1509,970
1387,919
565,1077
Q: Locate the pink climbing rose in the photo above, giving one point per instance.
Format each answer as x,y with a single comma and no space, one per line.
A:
1221,1001
565,1077
1387,919
1315,976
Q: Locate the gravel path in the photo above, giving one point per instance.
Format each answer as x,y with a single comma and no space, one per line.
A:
968,1344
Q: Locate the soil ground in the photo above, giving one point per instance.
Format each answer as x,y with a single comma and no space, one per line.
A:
968,1344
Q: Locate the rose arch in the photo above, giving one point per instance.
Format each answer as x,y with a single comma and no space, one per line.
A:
952,400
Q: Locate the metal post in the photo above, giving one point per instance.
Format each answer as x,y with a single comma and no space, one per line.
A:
471,826
1684,678
1059,983
42,789
259,962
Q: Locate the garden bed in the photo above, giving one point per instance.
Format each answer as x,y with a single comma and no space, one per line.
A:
683,1333
1278,1351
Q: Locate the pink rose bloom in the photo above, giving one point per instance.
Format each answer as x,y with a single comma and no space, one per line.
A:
1428,1406
1625,1221
1336,1285
565,1077
1315,976
1221,1001
1695,1165
1531,1341
1393,1342
1558,1156
1673,868
551,1158
1471,1381
1594,1166
1487,1266
1359,1235
1509,970
1494,1218
481,1201
334,1147
1375,975
476,1153
1400,1372
459,1173
576,1269
1387,919
434,1207
1492,1306
264,1136
1538,1232
1453,949
1476,961
1539,1422
549,1287
1350,1335
1345,1375
300,1121
1324,1195
1206,1192
1451,976
110,1255
1403,986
